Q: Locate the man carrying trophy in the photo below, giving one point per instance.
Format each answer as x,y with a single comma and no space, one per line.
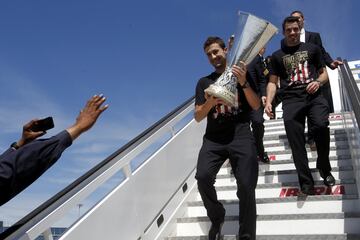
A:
226,99
228,136
302,72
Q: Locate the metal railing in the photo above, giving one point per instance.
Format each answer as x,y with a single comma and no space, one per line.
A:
350,103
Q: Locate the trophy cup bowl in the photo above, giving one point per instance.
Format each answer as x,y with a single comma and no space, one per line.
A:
253,33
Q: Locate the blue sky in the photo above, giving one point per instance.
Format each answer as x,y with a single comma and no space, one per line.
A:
145,56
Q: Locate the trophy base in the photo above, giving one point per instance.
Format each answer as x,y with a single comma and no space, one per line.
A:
222,93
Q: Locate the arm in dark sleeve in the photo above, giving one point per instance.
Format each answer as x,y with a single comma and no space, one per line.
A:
318,59
19,168
261,80
252,76
6,153
275,67
199,93
326,56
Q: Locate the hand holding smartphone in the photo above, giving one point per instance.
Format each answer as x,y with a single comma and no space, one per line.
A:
43,124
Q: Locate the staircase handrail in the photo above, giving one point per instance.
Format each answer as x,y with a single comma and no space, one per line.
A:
350,101
353,93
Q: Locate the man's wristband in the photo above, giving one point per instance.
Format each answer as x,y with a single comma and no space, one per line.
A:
14,146
245,85
320,83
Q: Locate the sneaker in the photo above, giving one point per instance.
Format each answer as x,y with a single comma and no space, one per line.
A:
215,231
329,179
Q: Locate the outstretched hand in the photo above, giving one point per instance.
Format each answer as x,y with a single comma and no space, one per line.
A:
88,116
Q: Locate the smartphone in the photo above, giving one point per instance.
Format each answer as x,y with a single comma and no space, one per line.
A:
43,124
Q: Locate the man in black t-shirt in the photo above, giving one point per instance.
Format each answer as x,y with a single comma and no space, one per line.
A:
227,136
302,71
314,38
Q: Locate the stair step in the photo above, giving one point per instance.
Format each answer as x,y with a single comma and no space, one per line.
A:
287,205
279,237
344,172
288,164
280,125
284,145
282,135
285,155
312,164
226,193
326,223
333,117
286,199
288,184
344,157
281,130
283,151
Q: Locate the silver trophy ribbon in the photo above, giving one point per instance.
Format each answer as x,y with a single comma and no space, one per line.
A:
252,35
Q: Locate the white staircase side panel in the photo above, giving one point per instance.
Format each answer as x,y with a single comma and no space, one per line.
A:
130,208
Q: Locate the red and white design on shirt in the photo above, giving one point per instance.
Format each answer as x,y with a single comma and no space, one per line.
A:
226,110
300,74
297,68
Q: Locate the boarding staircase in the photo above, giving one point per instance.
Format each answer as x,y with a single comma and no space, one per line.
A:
158,199
333,213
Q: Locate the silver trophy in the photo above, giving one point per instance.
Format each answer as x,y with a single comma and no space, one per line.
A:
252,34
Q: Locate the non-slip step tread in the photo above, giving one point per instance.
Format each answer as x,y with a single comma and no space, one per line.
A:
287,184
277,136
290,171
344,157
288,150
276,217
337,141
285,199
280,127
279,237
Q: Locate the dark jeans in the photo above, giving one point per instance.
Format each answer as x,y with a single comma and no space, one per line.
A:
326,92
315,108
242,155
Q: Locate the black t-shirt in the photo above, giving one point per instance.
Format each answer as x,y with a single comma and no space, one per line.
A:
296,66
222,119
